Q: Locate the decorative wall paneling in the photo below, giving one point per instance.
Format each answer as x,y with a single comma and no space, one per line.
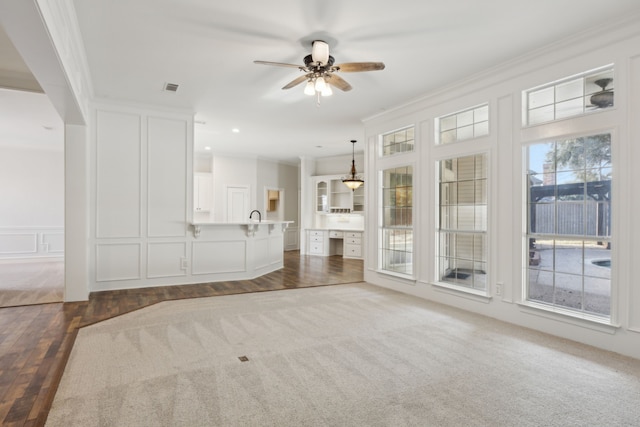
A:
31,242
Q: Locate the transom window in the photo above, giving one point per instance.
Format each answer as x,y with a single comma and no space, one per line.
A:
399,141
585,93
466,124
396,231
569,224
462,240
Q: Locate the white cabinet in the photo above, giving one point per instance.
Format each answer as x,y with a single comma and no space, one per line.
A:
318,242
332,196
202,191
335,242
352,244
322,195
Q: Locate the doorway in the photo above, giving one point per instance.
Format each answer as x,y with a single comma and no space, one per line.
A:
274,203
237,203
32,206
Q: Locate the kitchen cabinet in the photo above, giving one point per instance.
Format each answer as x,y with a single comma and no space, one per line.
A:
322,195
352,244
202,191
319,242
332,196
349,244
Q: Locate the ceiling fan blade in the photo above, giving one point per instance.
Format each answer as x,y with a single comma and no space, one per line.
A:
278,64
337,81
354,67
295,82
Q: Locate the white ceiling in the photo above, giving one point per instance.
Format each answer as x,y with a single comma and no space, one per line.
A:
208,47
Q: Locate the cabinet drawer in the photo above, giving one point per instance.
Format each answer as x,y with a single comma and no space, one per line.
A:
353,250
353,241
315,248
316,233
316,239
354,234
336,234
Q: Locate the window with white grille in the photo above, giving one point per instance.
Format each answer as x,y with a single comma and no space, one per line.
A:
462,125
573,96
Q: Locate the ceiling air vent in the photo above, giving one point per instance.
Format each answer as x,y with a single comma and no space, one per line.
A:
171,87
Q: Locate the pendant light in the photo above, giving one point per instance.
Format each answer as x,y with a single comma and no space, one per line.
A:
353,180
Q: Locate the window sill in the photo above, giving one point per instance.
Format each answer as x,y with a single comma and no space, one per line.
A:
394,275
584,320
460,291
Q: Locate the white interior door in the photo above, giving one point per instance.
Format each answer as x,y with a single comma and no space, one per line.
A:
237,204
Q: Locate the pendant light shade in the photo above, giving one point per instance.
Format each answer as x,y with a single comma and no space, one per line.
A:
353,180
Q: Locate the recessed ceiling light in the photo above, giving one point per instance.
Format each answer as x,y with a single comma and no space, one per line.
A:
235,130
207,148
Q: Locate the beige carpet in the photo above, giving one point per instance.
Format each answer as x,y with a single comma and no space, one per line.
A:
27,283
347,355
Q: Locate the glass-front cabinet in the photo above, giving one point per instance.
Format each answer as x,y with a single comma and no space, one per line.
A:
332,196
322,196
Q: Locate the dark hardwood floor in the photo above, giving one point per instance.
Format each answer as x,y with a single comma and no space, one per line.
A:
35,340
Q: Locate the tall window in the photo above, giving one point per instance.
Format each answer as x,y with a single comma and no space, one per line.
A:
569,223
399,141
462,240
462,125
585,93
396,232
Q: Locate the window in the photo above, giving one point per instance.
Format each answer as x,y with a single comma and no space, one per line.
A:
573,96
400,141
396,232
467,124
462,240
569,224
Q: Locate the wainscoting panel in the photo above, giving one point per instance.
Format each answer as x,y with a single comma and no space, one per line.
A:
292,239
261,252
167,182
276,247
117,261
19,244
31,242
53,243
118,174
219,257
165,259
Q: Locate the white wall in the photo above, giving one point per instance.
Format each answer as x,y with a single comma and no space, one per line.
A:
232,171
501,87
141,172
32,205
276,175
32,187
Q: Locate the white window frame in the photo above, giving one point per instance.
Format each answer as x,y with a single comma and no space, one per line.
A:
485,232
589,88
382,227
409,143
469,118
565,311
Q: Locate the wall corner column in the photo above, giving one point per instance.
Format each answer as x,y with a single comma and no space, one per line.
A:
76,213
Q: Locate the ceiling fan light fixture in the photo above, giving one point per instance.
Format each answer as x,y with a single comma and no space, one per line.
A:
320,52
320,84
309,88
327,90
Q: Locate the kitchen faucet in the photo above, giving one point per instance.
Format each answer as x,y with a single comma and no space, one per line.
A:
259,215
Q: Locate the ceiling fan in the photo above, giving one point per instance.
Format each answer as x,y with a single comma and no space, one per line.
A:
603,98
320,71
